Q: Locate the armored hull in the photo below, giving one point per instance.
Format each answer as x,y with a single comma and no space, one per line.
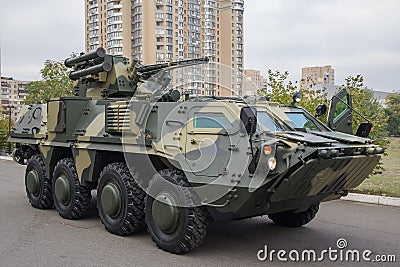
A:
172,164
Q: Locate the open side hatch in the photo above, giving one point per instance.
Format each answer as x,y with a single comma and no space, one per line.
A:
340,116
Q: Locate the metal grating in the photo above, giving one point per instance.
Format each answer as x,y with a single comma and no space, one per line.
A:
117,118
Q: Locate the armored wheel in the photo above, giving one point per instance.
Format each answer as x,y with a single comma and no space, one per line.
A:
120,200
175,224
37,185
70,197
291,219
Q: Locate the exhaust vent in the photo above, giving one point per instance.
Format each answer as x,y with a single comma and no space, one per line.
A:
117,117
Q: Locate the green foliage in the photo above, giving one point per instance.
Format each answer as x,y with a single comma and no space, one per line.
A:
366,104
393,112
280,90
3,130
388,182
55,83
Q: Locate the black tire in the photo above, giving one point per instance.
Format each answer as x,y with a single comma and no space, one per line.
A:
291,219
192,220
18,155
79,197
130,217
43,198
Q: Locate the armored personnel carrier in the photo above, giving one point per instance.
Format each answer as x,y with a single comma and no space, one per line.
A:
173,161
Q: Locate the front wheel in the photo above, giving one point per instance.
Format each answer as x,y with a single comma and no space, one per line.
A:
175,224
292,219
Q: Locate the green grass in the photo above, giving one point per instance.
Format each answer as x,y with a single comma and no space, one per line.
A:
388,182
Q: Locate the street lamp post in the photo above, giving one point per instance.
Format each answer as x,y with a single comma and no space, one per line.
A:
9,127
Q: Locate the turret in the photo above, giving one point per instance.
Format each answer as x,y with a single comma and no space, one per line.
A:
99,75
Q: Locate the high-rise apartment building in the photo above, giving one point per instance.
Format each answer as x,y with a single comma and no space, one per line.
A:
108,25
156,31
317,75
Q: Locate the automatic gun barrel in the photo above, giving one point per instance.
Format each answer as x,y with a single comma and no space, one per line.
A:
183,63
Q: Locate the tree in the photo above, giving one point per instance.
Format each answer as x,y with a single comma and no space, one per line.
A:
281,90
393,113
55,83
3,130
365,103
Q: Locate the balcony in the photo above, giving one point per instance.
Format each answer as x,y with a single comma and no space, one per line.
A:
112,38
238,7
93,6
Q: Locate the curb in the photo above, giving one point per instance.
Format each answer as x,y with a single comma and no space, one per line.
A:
5,158
372,199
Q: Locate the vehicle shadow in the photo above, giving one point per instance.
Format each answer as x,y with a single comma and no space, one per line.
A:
247,236
242,239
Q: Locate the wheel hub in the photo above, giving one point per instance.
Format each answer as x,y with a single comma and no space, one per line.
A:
63,190
111,199
165,213
33,182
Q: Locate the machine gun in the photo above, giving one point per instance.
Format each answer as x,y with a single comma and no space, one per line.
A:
100,75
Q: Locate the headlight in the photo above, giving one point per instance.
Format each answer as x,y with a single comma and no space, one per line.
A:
297,97
267,150
272,163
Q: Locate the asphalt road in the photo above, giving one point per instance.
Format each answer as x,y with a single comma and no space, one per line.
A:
31,237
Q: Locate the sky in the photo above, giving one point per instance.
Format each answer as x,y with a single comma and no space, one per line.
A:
354,36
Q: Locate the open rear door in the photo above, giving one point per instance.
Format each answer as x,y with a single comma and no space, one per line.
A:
340,116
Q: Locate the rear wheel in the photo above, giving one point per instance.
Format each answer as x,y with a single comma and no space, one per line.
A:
37,185
174,222
292,219
70,197
120,200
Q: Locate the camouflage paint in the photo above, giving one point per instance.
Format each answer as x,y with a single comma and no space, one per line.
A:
95,130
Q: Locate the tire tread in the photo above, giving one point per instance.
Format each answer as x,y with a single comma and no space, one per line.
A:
46,199
195,232
82,198
292,219
134,220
